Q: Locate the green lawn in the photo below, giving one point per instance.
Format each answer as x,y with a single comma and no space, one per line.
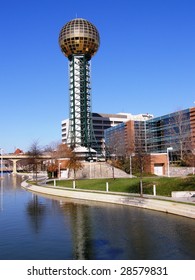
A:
164,185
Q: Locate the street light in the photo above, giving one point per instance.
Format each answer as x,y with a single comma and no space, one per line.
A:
168,171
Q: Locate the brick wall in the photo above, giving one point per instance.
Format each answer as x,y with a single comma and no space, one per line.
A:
155,160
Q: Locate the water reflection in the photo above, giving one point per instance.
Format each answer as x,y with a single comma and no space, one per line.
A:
36,210
38,227
116,232
80,223
1,194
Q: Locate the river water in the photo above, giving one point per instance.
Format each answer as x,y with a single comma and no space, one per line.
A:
37,227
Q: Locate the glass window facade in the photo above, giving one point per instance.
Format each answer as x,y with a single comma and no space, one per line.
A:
140,142
157,134
168,130
115,140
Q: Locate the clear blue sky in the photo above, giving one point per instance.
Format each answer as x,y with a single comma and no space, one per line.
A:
145,64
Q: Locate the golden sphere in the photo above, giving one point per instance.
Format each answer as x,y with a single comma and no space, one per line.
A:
79,36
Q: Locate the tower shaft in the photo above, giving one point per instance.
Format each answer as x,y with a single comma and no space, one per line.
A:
80,126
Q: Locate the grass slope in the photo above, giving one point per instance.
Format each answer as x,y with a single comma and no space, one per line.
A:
164,185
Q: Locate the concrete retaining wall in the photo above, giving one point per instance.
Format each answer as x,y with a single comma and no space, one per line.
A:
181,171
183,194
172,207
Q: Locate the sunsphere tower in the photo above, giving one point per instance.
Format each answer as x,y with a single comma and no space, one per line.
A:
79,40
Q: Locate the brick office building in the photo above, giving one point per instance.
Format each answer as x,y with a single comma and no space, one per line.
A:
153,137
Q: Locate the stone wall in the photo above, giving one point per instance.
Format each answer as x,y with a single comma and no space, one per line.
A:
98,170
181,171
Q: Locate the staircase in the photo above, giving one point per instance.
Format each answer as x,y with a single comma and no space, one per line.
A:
93,170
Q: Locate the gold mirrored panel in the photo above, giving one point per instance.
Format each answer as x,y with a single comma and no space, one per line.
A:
79,36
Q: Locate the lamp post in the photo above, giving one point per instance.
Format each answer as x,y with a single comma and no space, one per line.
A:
168,163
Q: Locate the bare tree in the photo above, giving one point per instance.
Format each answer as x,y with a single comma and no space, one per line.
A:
190,159
116,146
63,151
140,150
62,154
35,152
52,166
58,152
74,163
180,134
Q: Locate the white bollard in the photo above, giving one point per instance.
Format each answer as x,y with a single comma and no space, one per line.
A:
154,190
107,186
73,184
54,182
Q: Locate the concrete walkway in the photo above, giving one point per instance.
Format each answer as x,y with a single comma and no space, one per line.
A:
163,204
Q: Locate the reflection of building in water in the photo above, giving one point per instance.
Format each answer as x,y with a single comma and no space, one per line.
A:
36,212
101,231
81,230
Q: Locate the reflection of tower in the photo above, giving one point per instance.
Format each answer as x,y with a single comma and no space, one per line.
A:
79,41
80,223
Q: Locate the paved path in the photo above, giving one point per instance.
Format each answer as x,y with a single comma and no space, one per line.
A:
163,204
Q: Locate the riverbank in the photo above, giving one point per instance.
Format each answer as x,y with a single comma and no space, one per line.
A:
164,185
163,204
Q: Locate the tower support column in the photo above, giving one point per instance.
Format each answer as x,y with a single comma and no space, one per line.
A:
79,40
80,127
